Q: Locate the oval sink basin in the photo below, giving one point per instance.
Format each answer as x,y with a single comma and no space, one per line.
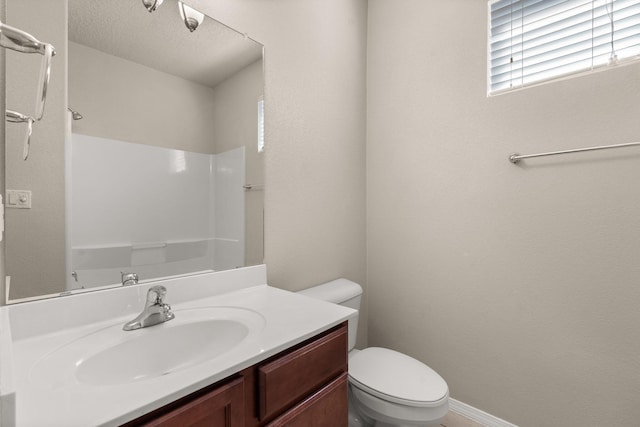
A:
162,352
111,356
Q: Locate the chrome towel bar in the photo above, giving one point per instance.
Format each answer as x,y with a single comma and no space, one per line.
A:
515,158
23,42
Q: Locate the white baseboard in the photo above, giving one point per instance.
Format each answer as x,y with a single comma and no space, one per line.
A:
477,415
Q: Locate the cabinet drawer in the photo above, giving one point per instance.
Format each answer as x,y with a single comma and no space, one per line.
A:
290,378
327,407
220,407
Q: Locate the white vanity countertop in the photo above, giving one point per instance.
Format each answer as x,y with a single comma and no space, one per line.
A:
289,319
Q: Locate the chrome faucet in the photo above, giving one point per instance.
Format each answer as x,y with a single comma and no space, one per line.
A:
155,310
128,278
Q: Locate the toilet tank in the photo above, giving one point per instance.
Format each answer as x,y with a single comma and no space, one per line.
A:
342,292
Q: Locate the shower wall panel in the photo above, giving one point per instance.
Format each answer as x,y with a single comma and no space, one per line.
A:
149,210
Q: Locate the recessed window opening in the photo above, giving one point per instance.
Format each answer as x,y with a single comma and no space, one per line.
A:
534,41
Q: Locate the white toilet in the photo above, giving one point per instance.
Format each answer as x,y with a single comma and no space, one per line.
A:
386,388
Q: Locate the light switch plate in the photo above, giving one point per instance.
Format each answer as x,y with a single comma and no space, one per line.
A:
18,199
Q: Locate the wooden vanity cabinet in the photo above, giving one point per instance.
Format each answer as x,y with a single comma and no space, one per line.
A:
303,386
294,380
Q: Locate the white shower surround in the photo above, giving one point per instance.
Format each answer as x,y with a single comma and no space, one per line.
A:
153,233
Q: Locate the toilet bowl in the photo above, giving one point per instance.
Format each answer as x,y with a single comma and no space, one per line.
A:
386,388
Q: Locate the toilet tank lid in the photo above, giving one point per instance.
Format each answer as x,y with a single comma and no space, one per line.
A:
336,291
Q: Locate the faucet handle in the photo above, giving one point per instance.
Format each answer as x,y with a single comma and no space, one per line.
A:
155,294
166,309
128,278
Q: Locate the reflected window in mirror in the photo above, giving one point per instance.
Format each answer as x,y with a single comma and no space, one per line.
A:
261,124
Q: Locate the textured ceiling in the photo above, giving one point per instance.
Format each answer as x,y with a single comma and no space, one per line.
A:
160,39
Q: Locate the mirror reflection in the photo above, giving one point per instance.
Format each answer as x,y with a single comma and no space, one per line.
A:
148,160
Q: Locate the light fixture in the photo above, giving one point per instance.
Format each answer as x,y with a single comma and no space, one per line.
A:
191,17
152,5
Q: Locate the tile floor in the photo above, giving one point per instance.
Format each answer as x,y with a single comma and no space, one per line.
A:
456,420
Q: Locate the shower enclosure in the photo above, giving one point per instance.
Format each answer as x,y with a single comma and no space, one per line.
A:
152,211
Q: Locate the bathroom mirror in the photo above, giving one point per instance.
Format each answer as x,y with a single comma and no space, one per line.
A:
148,159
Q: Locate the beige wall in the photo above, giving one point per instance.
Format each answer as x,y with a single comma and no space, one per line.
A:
36,236
315,134
519,284
234,112
116,96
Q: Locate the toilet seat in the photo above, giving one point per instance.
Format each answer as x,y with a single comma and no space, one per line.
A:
397,378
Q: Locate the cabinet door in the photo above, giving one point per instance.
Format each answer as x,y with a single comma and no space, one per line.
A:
221,407
327,407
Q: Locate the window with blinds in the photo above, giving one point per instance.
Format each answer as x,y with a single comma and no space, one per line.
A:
260,124
531,41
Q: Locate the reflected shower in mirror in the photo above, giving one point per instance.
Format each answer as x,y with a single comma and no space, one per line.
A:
162,176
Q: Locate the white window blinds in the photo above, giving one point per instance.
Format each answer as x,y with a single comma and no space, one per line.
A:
260,124
531,41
